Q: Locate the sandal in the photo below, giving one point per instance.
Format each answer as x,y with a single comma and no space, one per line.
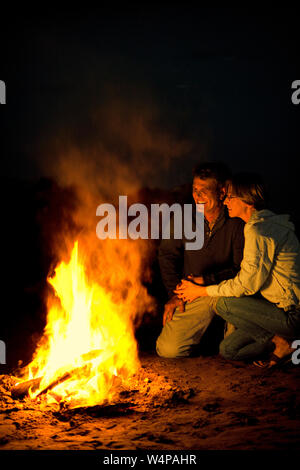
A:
273,361
263,364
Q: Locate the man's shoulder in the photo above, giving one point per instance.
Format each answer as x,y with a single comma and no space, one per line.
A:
234,223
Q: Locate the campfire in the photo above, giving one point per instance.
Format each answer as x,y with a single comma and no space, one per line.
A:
88,349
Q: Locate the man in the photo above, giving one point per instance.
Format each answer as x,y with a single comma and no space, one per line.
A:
270,267
218,259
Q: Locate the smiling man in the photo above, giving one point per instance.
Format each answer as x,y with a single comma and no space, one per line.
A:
184,324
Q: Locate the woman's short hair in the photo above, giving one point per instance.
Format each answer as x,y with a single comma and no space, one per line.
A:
250,188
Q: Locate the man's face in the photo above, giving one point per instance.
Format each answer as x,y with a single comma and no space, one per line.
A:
206,192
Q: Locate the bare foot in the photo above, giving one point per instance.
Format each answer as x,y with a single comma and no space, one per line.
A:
282,348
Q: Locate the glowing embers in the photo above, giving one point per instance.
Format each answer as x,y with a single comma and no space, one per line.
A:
88,347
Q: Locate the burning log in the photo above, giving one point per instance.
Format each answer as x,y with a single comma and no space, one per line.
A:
22,389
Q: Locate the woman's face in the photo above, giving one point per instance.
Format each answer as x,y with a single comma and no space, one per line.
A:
236,207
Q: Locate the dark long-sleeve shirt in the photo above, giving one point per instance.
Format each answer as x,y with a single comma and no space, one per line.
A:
218,259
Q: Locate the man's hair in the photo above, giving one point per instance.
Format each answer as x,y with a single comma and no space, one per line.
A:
250,188
216,170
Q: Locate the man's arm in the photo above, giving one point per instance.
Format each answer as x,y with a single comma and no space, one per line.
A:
171,306
170,257
170,262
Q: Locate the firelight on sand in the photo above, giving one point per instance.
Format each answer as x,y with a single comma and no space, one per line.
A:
88,340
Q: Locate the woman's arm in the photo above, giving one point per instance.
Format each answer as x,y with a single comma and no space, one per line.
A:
258,260
256,266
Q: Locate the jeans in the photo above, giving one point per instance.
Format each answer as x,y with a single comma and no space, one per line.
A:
180,335
256,321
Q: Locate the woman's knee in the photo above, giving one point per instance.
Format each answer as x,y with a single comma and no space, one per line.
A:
226,350
226,307
221,306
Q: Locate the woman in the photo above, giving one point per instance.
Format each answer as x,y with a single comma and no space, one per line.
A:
262,301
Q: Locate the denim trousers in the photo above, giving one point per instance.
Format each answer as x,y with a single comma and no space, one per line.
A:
257,321
180,335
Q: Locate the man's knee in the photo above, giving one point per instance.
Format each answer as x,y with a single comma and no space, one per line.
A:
169,349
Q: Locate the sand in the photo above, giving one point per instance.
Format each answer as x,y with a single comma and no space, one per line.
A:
202,403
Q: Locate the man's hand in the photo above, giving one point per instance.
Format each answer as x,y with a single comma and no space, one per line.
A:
170,308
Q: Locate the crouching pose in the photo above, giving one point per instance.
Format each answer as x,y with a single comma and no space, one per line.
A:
184,325
262,300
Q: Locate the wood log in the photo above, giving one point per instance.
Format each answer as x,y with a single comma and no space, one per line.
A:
21,390
58,381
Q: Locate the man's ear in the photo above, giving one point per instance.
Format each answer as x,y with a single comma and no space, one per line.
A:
222,193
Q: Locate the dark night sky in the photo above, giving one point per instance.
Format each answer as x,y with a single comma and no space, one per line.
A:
219,78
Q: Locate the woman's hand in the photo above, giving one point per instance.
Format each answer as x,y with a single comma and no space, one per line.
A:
188,291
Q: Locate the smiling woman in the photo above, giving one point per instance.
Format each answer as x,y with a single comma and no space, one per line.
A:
270,268
245,195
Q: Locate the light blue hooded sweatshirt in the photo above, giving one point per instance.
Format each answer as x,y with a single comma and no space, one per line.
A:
271,262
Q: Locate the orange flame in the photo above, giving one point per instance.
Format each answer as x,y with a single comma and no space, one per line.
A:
88,340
